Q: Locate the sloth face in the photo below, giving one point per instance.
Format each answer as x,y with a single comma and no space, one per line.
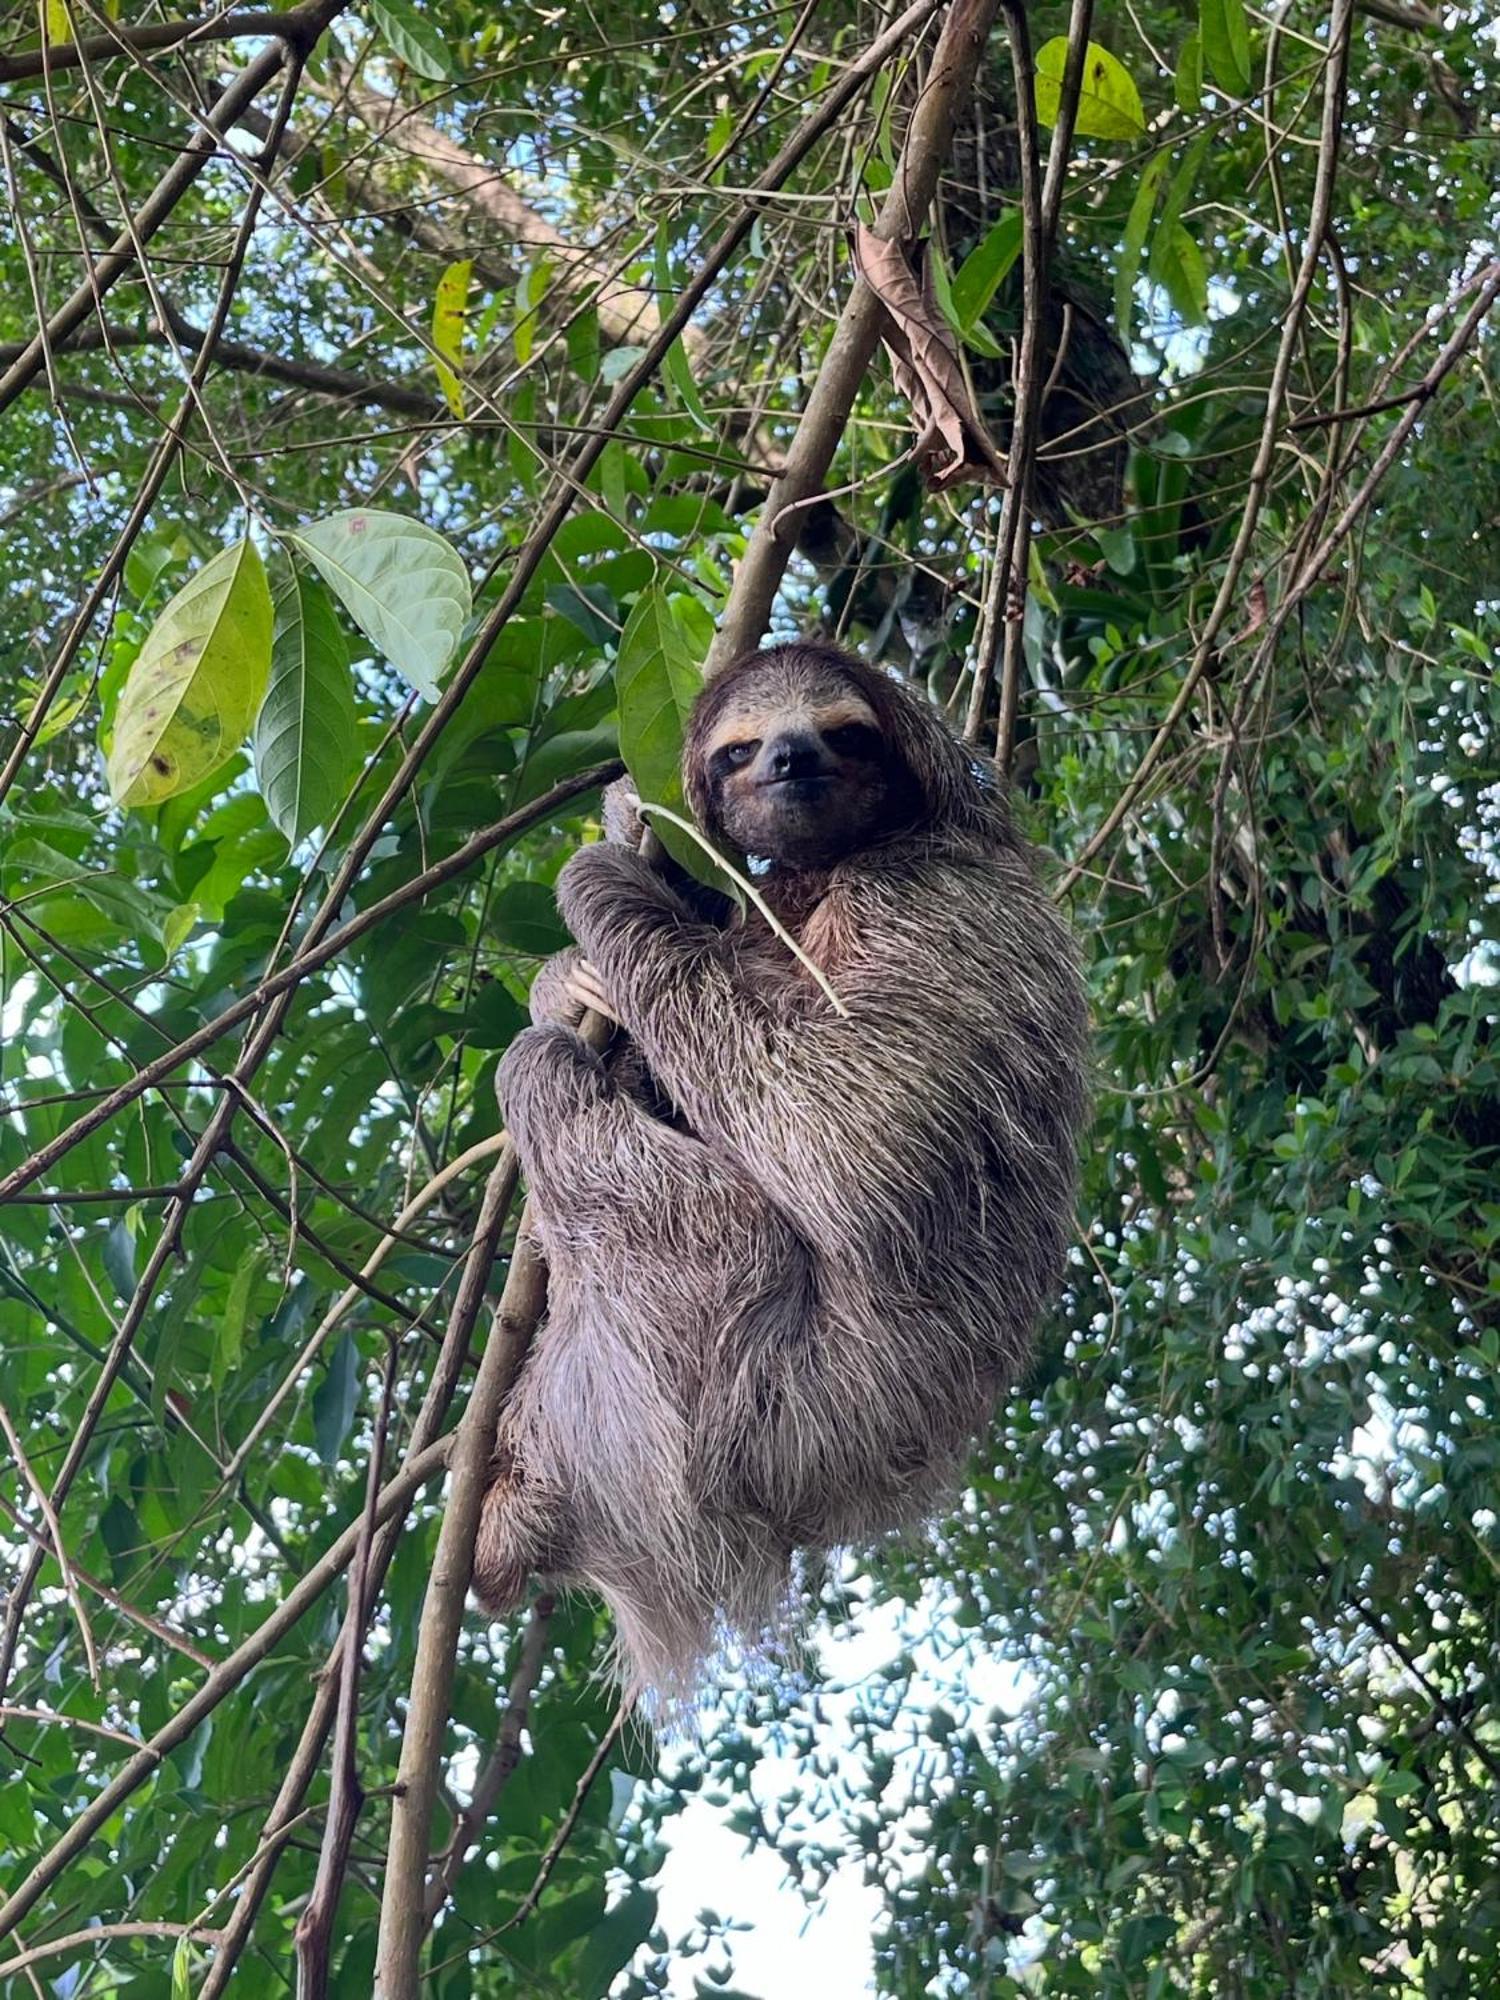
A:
802,775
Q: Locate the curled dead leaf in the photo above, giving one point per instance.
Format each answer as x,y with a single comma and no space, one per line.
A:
952,443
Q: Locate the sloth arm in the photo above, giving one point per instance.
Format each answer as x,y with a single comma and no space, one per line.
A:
583,1138
679,986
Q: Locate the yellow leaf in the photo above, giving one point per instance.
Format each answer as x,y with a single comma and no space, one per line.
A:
1109,105
57,23
448,314
195,686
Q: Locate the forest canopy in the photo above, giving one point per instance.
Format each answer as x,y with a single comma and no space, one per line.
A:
396,398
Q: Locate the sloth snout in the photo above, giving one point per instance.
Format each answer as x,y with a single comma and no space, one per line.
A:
796,754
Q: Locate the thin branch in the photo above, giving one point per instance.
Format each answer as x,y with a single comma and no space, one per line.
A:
498,1767
310,959
150,38
846,361
168,1635
54,1530
418,1470
314,1933
403,1901
1003,625
100,1934
298,30
1206,649
340,385
569,1819
468,1300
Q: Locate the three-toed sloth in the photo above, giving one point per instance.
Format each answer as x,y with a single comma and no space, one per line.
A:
794,1253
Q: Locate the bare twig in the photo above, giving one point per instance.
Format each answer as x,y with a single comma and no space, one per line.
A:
98,1934
1003,623
569,1820
314,1932
495,1772
54,1531
150,38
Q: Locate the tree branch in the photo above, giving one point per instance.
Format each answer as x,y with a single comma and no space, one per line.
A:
403,1918
496,1771
298,31
500,1191
396,1495
150,38
310,959
1206,650
626,312
846,362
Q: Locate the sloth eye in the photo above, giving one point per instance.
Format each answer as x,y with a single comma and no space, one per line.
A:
737,754
852,739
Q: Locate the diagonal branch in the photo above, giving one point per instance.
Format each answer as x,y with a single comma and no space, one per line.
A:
297,33
626,312
847,359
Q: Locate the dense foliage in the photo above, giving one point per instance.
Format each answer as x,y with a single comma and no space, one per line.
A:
1240,1532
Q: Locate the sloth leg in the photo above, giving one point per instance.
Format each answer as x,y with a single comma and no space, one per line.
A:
522,1531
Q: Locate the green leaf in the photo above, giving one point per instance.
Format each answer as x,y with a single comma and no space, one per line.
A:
1177,263
614,1940
182,1971
177,925
193,689
449,317
413,40
306,736
1137,223
1183,182
229,1335
657,677
1109,105
1226,43
676,367
524,916
334,1400
404,587
1188,82
530,292
984,270
57,23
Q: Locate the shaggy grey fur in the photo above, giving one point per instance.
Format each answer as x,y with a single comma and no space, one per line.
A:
779,1317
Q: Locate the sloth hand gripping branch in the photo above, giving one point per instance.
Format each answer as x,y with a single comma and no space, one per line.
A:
795,1255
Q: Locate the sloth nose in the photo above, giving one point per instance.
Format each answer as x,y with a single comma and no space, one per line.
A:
797,754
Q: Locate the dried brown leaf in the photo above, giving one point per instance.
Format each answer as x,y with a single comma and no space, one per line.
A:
952,443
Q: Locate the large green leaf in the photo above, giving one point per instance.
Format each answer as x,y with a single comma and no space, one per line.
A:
1226,43
657,677
404,587
983,271
196,684
1109,105
1177,264
306,741
416,41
